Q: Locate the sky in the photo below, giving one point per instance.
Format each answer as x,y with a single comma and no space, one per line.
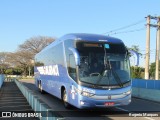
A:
23,19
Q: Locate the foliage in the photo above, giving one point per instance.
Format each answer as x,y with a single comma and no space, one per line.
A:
135,48
137,72
3,62
152,70
13,71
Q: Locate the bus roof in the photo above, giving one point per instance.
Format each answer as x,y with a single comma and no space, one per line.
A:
90,37
84,37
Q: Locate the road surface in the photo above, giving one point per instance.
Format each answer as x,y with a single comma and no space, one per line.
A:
138,107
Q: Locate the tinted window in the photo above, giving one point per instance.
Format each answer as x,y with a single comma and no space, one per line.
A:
53,55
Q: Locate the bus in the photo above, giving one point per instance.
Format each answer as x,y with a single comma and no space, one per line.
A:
85,71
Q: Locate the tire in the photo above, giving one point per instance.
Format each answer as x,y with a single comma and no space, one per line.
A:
65,99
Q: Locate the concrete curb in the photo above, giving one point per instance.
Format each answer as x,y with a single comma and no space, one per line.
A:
36,104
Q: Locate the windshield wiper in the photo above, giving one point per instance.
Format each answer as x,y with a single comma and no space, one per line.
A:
108,68
117,78
105,73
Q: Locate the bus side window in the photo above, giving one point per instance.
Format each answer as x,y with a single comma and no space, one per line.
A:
72,67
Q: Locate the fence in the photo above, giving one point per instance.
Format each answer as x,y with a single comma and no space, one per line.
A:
146,89
148,84
1,80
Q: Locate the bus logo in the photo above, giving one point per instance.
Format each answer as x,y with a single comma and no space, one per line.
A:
49,70
109,97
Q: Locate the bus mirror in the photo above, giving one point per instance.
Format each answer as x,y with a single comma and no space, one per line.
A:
135,55
76,55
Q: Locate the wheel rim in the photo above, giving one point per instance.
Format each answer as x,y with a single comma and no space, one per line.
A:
41,88
65,97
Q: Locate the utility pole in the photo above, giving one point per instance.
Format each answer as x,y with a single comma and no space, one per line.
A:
157,49
147,48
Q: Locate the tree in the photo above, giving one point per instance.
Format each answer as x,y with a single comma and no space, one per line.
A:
35,44
3,62
21,59
135,48
153,69
137,72
24,56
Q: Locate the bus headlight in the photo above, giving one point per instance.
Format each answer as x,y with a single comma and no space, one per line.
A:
127,93
87,94
83,93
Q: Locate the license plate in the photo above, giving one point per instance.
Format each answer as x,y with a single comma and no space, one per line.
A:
109,103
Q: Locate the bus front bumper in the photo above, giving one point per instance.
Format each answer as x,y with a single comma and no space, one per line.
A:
87,102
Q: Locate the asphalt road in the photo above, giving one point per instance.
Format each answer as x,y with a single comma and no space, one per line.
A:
137,107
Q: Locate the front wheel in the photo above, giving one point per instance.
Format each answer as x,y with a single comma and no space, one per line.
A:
65,99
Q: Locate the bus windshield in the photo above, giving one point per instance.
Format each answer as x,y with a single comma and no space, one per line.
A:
103,64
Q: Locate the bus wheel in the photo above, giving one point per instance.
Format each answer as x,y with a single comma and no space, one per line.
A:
65,99
39,85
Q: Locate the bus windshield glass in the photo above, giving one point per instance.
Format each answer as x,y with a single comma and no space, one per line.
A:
103,64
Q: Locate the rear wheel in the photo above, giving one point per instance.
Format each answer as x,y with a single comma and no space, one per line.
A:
65,99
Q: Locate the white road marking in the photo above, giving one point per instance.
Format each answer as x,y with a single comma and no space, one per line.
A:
123,109
149,118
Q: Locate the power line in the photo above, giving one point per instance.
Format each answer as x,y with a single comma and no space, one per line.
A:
129,31
150,50
121,28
